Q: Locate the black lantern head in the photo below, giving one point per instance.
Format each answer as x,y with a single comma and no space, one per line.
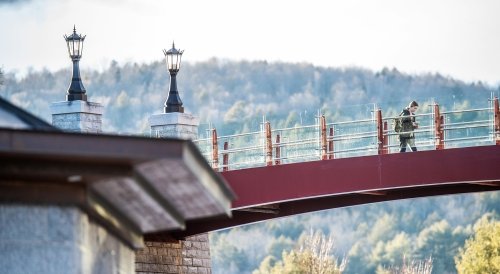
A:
75,44
76,91
173,58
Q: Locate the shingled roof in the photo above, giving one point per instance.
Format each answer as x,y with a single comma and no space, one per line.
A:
12,116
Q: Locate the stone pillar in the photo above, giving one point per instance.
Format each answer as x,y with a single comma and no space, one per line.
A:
58,239
191,255
174,124
77,116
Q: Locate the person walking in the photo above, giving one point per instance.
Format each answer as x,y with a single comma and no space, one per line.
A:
408,125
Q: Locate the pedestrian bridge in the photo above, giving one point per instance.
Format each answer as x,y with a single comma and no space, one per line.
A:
282,172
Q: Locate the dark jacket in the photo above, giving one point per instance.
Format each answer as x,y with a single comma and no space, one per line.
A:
407,126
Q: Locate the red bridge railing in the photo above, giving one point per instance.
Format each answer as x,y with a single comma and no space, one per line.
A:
323,141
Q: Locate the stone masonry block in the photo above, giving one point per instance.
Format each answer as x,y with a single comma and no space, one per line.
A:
187,261
207,263
140,258
167,260
202,270
173,269
197,262
196,245
163,251
174,252
153,251
205,246
142,251
175,245
191,253
203,254
201,237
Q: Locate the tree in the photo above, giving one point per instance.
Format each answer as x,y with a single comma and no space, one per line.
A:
237,112
409,267
314,256
441,242
391,252
481,253
279,244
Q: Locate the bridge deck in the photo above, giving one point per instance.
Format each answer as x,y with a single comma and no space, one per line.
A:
277,191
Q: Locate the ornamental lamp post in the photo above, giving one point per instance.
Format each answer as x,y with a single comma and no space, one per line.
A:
76,90
173,59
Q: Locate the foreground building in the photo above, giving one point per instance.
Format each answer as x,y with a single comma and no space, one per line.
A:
81,203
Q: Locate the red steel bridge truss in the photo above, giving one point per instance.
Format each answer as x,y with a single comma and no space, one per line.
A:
283,172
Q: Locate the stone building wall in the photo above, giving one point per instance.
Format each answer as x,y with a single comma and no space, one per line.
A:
191,256
58,239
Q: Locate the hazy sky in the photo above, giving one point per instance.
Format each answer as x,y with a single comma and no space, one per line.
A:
453,37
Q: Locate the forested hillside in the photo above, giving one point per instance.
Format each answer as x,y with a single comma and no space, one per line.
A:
370,236
234,95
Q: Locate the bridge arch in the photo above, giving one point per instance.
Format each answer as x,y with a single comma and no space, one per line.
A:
278,191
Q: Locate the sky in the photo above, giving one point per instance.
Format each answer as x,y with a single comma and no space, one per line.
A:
456,38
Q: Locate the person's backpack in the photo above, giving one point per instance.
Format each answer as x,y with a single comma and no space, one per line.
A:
397,125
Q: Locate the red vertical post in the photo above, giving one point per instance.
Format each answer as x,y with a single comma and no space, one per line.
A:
496,111
386,140
330,145
323,138
278,150
380,131
215,151
438,128
269,145
441,137
225,157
